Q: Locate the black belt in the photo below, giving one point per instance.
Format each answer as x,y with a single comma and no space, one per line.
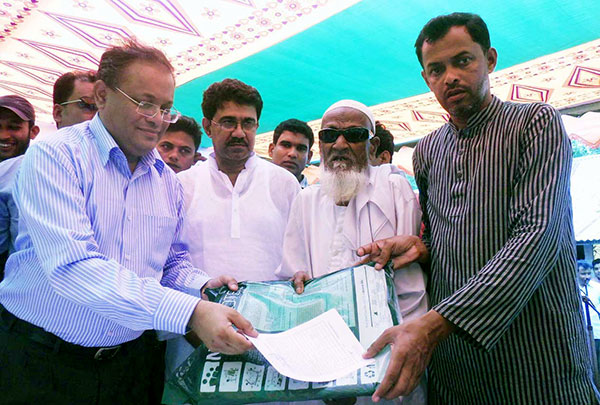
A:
36,334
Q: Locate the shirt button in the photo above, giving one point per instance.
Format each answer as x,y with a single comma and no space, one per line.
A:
110,333
129,217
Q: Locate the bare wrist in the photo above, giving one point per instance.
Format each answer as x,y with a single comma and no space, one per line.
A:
439,328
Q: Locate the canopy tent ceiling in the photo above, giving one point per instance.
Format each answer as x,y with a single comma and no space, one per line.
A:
303,55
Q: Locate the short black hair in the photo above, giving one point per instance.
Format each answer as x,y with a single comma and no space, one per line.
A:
296,126
386,139
584,263
595,261
439,26
65,84
189,126
217,94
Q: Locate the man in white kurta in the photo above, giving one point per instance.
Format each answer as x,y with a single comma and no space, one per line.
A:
354,205
238,228
323,237
236,204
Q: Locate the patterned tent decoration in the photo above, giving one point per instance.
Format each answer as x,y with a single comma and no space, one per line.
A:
208,40
40,40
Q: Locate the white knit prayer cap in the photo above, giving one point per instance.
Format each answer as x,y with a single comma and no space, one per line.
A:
356,105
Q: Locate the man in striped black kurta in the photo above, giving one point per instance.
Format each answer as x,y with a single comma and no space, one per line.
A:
505,322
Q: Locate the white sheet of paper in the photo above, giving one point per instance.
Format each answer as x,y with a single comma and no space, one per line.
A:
322,349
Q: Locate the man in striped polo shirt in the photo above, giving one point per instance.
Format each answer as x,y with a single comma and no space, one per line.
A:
506,323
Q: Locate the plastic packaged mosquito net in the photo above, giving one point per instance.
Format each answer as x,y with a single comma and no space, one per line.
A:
364,297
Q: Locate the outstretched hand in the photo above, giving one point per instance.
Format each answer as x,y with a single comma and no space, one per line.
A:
401,249
412,344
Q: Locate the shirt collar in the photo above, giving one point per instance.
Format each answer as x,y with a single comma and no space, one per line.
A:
250,163
106,145
481,117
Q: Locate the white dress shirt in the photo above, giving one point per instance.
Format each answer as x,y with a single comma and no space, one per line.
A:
235,230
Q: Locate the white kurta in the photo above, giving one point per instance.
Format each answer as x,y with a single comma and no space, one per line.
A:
237,230
234,230
386,207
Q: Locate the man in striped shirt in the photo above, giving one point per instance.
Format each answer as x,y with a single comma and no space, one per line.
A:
99,258
506,323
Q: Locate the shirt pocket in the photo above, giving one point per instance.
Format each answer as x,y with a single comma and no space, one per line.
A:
155,237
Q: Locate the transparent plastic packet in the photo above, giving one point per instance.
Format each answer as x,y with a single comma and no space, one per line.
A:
363,296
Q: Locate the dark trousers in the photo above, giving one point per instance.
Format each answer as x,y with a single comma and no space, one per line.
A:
34,373
3,259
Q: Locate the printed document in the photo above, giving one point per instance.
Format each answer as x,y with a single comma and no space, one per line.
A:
322,349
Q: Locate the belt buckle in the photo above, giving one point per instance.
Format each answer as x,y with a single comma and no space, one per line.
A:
106,353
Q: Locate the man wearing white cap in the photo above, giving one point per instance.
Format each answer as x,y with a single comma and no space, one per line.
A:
354,204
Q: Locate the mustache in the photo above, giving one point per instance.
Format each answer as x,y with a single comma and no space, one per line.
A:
237,141
453,89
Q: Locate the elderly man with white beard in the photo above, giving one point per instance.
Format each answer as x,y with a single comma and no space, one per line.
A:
354,204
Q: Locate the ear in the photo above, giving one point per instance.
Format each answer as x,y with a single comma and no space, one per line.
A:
271,147
100,94
385,156
424,76
373,145
197,157
206,126
309,156
492,59
34,131
57,113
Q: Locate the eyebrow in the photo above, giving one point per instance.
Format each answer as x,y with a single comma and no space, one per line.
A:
231,117
458,55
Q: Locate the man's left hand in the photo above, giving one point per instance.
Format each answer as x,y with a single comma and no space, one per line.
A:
412,344
220,281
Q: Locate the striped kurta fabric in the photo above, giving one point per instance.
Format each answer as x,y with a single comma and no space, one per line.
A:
498,223
98,258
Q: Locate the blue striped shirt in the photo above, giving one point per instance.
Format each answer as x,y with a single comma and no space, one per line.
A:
98,257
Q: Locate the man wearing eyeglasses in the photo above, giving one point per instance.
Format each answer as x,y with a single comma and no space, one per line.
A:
236,204
354,204
73,98
99,257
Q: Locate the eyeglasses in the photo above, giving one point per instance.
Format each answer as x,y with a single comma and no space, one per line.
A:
150,110
248,125
352,135
84,103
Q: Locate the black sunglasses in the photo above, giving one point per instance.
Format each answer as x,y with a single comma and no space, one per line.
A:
352,135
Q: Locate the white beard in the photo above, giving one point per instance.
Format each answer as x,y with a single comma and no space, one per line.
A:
342,185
